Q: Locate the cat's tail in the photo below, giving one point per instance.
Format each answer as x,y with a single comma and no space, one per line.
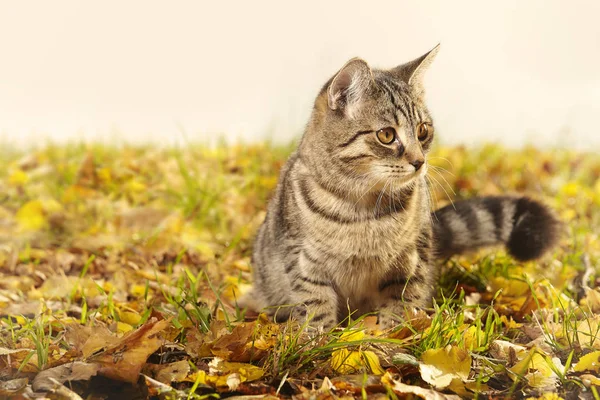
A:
527,227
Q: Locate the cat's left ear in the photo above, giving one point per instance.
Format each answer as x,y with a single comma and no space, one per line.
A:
349,85
412,72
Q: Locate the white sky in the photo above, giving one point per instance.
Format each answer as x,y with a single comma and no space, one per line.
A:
146,70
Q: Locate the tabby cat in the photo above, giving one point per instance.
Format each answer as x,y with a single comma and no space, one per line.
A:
349,228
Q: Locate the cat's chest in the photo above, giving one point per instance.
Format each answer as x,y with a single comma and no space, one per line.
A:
359,270
364,243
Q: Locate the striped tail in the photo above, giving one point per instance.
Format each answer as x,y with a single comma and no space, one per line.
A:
527,227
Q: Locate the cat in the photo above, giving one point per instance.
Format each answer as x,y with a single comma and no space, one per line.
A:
350,229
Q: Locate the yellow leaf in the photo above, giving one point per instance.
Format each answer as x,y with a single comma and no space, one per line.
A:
547,396
535,368
372,362
571,189
104,175
589,362
345,361
137,290
77,192
352,335
130,317
18,178
440,366
509,287
30,216
510,323
472,337
122,327
135,186
223,373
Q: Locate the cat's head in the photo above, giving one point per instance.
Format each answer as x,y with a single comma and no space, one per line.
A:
370,127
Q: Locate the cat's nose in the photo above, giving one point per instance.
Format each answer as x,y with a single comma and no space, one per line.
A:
417,164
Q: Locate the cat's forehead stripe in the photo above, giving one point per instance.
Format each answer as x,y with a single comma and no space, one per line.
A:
400,104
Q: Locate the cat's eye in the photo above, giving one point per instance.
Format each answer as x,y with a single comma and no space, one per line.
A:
386,135
424,130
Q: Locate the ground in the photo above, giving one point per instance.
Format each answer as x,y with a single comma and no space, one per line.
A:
120,266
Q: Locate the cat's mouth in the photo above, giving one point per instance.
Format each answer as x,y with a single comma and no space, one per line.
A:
407,174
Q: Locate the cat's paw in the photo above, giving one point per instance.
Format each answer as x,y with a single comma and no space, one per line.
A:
320,319
391,318
389,321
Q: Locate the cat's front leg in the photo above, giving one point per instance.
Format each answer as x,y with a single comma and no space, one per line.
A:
316,302
399,297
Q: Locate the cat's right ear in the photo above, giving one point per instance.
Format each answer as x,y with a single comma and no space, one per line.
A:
349,85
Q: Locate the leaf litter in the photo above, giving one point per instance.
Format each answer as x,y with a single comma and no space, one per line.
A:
120,269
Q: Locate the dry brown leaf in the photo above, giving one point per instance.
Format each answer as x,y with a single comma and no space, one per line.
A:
159,389
419,321
87,172
124,359
167,373
87,340
506,351
12,359
12,387
49,379
232,346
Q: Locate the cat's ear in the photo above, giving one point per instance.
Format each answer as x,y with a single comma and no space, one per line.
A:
349,85
412,72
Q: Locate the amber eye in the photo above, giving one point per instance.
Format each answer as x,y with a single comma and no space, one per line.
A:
424,130
386,135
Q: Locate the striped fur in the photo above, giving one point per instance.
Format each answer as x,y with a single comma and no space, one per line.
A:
349,228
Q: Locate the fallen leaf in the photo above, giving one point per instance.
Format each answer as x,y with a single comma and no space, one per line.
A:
124,359
592,300
31,217
61,287
12,387
589,362
227,374
232,346
506,351
403,389
167,373
535,368
440,366
345,361
590,380
76,371
18,178
547,396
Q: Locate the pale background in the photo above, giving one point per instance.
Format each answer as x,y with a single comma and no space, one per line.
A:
136,71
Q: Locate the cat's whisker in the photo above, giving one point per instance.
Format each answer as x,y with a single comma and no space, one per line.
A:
449,186
432,200
441,158
378,202
440,169
444,189
393,198
368,190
